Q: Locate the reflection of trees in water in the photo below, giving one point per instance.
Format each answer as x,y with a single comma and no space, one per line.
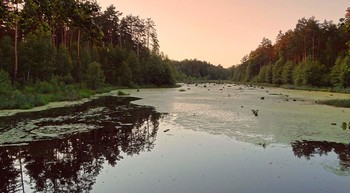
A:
8,172
72,164
308,149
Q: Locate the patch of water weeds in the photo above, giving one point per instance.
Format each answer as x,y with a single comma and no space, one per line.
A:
279,115
59,123
52,105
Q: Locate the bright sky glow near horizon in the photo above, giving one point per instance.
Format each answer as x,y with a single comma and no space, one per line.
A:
223,31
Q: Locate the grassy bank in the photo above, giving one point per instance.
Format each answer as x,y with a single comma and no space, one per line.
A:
332,102
324,89
44,93
337,102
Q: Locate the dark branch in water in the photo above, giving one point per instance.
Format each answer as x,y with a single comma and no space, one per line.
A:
255,112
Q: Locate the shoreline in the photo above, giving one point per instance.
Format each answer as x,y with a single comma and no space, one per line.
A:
322,97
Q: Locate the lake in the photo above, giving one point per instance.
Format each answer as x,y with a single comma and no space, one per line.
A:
204,138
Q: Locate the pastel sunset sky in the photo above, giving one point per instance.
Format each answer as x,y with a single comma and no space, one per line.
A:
223,31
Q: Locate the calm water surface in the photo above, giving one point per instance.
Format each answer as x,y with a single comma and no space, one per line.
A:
203,140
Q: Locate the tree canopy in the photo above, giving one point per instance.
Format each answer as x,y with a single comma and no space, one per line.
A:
314,53
66,40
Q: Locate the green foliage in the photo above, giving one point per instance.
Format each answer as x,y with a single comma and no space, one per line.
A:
82,93
5,82
309,73
126,75
265,74
287,73
340,73
238,73
94,75
64,64
298,75
44,87
111,61
249,73
7,53
277,71
18,100
262,73
134,68
38,57
313,73
159,72
81,35
196,69
310,50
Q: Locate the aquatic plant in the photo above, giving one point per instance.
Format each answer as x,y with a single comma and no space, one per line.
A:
255,112
336,102
344,125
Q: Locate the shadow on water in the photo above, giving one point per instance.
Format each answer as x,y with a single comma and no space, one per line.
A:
72,161
309,149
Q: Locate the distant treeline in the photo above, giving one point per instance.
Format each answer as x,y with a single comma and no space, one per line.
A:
313,54
199,70
74,42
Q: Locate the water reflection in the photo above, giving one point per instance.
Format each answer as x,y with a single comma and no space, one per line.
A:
72,163
309,149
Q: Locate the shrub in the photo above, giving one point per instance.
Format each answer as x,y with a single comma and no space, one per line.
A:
340,74
310,73
44,87
18,100
94,76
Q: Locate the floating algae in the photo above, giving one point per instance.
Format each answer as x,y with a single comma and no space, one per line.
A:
61,122
283,119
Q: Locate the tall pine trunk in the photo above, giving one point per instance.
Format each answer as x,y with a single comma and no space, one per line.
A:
15,69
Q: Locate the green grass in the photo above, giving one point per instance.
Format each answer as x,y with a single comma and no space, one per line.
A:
324,89
336,102
44,93
122,93
18,100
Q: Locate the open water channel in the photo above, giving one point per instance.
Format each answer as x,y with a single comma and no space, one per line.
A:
203,139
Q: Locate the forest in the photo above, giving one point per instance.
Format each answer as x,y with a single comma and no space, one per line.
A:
55,46
53,50
314,54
